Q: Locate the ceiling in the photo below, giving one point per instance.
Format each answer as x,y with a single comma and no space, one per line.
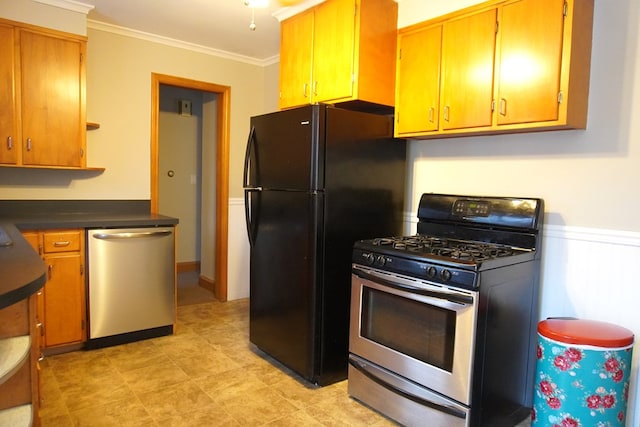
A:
220,25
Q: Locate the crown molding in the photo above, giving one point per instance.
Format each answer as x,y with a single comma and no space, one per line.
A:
289,11
128,32
71,5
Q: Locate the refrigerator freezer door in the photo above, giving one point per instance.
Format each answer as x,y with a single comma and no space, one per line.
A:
283,151
285,272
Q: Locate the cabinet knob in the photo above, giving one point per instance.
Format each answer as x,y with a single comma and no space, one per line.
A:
28,144
9,143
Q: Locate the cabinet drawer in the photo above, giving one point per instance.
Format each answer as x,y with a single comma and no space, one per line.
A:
62,241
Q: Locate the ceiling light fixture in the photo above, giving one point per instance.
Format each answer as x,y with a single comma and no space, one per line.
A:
256,3
253,4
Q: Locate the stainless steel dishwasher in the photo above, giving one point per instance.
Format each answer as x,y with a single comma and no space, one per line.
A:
131,284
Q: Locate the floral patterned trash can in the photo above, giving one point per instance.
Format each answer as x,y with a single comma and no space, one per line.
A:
582,374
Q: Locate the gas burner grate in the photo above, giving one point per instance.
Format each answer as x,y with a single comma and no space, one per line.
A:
449,248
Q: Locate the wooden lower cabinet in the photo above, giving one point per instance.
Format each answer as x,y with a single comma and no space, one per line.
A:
19,371
61,304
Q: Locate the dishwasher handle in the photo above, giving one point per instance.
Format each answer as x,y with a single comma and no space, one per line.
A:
135,235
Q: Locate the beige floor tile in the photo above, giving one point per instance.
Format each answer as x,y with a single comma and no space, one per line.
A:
178,400
258,406
122,413
154,377
207,374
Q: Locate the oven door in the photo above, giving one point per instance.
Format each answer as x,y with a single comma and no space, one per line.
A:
421,331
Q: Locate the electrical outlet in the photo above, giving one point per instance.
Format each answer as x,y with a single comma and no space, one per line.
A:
185,107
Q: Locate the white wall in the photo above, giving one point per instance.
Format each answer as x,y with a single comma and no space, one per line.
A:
588,179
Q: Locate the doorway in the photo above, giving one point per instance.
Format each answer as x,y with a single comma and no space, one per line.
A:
222,94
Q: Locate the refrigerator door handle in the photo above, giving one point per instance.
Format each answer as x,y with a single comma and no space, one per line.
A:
247,156
249,214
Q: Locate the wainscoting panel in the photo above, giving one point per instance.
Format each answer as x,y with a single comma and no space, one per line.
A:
238,258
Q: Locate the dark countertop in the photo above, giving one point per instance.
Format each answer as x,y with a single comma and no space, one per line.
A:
22,271
91,220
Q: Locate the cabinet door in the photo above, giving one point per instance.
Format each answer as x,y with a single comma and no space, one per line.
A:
64,299
51,100
531,50
333,50
418,81
8,119
296,44
467,72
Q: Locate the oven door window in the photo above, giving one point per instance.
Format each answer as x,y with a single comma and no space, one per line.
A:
422,331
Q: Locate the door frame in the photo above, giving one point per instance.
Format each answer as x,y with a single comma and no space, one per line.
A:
222,165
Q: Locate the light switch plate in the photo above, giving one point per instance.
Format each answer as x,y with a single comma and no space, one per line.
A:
185,107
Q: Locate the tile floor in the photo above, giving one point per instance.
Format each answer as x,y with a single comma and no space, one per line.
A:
205,375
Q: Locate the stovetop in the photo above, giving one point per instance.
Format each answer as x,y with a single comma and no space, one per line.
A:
440,260
458,250
458,237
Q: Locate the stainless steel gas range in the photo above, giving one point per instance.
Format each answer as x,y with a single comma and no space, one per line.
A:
442,329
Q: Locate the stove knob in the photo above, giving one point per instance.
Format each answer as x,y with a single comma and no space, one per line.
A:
446,275
380,260
431,272
369,258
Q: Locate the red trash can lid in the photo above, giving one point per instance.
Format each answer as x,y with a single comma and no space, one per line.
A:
585,332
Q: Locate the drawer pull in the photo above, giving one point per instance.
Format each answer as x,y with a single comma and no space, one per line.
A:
61,244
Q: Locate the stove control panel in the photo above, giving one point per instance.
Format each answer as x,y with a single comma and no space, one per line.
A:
428,270
471,208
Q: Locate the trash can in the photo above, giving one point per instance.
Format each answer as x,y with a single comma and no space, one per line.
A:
582,373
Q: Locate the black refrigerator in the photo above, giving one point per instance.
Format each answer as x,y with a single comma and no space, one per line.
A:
316,179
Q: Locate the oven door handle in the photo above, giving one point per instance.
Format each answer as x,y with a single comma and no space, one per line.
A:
447,409
455,298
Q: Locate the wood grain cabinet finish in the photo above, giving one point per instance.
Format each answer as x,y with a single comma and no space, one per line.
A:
62,302
42,87
339,51
418,80
19,371
504,66
468,51
9,137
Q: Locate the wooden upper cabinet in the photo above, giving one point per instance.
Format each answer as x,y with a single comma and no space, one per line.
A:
42,87
9,136
339,51
468,47
333,50
528,78
418,80
295,59
506,66
52,95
